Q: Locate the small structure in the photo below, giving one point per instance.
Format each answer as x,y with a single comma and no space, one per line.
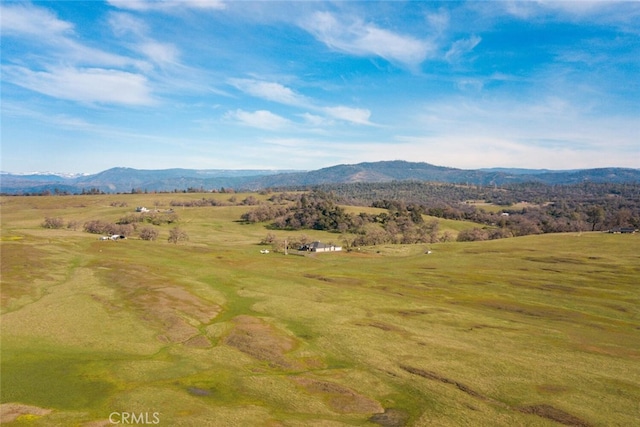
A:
623,230
113,237
320,247
142,209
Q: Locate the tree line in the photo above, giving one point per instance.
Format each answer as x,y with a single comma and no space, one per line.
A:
547,209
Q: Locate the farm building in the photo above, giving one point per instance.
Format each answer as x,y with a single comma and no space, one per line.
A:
320,247
623,230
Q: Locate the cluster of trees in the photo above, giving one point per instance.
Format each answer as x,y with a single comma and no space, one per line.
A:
155,218
319,210
548,208
98,226
126,226
542,209
57,222
233,200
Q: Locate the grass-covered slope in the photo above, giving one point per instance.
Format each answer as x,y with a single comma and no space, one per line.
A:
533,331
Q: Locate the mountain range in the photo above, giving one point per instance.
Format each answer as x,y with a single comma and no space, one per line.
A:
127,179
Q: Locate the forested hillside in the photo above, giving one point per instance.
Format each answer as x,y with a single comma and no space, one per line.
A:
514,210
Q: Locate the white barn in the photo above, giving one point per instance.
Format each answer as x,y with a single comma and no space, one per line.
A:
320,247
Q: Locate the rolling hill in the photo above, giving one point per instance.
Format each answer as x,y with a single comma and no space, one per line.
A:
128,179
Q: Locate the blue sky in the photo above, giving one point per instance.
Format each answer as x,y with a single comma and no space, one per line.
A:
206,84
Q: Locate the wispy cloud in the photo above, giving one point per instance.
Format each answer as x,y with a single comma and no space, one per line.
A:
26,20
270,91
167,5
261,119
462,47
88,85
276,92
505,132
354,115
359,38
55,38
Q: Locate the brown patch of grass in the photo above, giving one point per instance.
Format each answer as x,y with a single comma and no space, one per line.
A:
551,388
198,341
410,313
340,398
551,413
543,410
11,411
437,377
529,310
391,417
261,341
22,264
172,309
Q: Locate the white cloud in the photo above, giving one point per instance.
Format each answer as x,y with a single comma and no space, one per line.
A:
27,20
159,53
315,120
282,94
552,132
123,24
354,115
461,47
363,39
261,119
167,5
438,22
89,85
55,38
270,91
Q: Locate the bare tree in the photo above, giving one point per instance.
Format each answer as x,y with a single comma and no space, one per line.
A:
149,233
177,235
50,222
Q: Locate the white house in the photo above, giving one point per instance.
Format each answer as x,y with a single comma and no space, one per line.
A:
320,247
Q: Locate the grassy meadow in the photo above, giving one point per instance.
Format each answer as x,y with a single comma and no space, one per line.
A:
531,331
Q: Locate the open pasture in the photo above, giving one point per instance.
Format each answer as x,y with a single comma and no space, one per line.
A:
537,331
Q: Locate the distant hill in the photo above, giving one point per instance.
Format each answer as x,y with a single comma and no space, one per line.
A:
127,179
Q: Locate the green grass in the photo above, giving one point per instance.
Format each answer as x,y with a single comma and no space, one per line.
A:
481,333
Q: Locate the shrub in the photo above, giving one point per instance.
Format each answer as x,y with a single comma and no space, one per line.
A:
149,233
99,227
50,222
177,235
472,235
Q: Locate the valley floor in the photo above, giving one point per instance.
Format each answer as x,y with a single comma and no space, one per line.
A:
536,331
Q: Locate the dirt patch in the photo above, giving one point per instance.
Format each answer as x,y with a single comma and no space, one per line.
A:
11,411
552,388
340,398
383,326
173,310
531,311
551,413
198,341
319,277
410,313
484,326
262,341
391,418
543,410
346,281
437,377
195,391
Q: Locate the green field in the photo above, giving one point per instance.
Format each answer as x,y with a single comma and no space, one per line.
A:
532,331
